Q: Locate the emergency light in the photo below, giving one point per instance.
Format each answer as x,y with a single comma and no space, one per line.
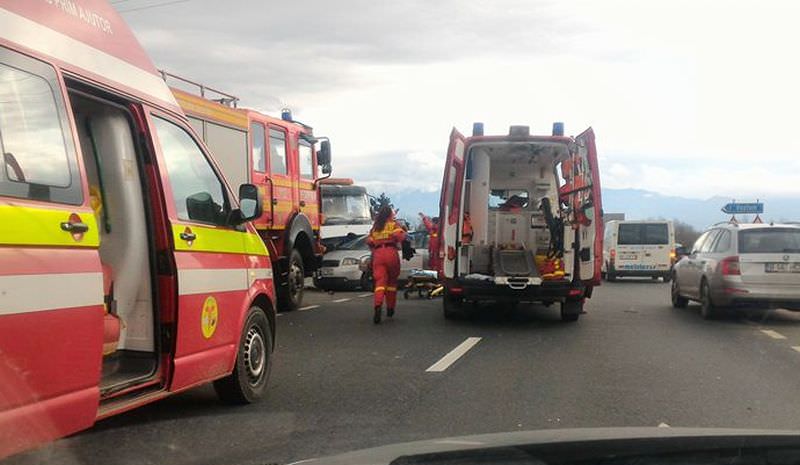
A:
477,129
558,128
286,114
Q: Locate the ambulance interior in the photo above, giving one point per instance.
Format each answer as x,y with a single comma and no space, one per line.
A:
511,232
117,197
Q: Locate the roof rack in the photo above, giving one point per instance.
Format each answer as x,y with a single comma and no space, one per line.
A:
223,98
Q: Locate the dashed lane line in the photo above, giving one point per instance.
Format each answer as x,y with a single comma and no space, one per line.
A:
796,348
338,301
773,334
308,307
453,355
365,295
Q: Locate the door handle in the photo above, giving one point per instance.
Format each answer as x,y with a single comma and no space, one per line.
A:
274,201
188,236
76,227
302,203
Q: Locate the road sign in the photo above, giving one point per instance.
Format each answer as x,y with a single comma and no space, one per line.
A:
751,208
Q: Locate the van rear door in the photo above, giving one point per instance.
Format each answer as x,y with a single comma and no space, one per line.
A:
450,215
581,191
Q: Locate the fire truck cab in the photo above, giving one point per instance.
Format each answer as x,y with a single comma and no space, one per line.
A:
278,155
520,219
130,270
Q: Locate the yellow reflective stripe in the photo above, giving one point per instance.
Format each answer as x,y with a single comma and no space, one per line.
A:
379,288
282,182
221,240
391,289
42,227
210,111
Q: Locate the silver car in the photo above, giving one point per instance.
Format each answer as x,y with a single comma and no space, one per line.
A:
342,268
748,265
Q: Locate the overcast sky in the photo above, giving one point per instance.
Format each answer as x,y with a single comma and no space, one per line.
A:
688,98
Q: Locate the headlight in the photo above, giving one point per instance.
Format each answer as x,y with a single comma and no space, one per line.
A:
349,261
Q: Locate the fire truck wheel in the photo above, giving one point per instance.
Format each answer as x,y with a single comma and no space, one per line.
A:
291,298
253,364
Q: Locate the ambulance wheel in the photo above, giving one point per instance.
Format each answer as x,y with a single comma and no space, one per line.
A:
571,310
452,305
291,296
253,364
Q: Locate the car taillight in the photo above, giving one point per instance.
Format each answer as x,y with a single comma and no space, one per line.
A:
613,254
730,266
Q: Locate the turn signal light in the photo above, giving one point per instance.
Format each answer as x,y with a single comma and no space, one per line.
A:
730,266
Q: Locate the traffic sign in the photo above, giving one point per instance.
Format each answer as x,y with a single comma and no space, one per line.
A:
751,208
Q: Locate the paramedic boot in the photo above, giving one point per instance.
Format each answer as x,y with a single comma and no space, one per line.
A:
377,316
389,312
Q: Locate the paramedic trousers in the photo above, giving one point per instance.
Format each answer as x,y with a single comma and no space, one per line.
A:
385,270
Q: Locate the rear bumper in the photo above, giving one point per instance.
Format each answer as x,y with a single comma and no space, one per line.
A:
547,291
737,294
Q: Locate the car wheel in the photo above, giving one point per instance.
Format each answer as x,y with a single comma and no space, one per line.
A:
708,310
571,310
678,301
253,363
667,277
367,283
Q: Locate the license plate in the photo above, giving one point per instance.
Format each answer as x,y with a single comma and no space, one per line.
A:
782,267
327,271
628,256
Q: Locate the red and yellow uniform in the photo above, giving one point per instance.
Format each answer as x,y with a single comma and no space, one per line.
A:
386,261
433,242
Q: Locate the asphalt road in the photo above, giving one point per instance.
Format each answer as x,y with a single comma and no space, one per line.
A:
341,383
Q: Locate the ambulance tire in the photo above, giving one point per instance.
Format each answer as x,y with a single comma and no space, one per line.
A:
571,310
452,306
248,382
290,296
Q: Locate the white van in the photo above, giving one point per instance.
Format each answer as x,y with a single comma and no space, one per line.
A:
639,248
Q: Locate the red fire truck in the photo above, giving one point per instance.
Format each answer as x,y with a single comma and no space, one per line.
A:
129,269
278,155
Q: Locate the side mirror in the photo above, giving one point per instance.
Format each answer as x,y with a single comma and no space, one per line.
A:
326,169
324,154
250,204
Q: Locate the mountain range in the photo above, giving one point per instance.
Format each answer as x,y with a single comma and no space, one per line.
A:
635,204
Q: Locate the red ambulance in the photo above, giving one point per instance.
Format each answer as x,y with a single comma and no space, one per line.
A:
129,270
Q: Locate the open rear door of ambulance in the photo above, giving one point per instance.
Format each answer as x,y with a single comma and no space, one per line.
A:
450,204
581,192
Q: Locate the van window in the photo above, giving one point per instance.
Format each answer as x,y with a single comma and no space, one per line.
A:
451,189
258,152
37,163
772,240
643,234
306,160
197,125
277,152
197,191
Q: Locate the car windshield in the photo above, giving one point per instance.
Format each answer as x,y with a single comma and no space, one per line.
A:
769,240
262,232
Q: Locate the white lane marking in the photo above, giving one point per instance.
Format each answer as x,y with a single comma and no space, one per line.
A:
338,301
279,314
663,425
773,334
301,461
453,355
308,307
365,295
796,348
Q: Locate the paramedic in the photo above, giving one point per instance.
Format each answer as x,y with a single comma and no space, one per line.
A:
432,225
384,238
